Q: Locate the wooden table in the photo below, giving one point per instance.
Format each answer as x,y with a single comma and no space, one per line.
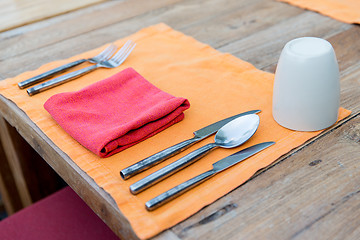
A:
312,192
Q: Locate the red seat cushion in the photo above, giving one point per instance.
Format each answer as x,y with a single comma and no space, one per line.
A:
62,215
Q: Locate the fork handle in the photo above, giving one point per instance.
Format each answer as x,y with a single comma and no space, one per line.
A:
48,74
59,80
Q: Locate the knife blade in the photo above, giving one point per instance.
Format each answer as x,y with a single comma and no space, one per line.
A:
177,148
217,167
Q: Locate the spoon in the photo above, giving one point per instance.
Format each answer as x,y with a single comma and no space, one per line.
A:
231,135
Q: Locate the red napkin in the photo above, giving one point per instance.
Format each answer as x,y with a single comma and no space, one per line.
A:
116,113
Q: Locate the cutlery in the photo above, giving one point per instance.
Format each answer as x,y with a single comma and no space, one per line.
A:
230,135
113,62
104,55
173,150
217,167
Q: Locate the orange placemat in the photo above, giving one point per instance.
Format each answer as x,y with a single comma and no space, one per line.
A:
347,11
217,85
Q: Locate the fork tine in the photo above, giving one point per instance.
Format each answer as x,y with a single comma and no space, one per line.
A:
115,61
122,49
124,52
122,59
107,52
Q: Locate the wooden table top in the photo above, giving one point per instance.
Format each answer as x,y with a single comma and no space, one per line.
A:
17,13
312,192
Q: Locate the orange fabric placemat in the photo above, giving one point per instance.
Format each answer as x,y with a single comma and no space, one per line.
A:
347,11
217,85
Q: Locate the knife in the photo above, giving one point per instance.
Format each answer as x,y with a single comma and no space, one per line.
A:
48,74
217,167
173,150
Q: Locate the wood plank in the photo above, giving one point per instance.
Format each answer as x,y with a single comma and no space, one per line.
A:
344,211
242,20
346,49
299,197
67,26
263,48
350,94
21,12
168,235
349,63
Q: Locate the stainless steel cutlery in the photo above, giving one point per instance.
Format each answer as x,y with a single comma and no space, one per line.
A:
230,132
175,149
105,59
104,55
230,135
217,167
113,62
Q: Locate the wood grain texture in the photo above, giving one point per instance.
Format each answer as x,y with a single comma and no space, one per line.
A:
40,180
12,153
310,193
25,176
90,28
9,194
302,197
21,12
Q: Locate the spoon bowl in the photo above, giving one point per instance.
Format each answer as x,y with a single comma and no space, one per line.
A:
237,132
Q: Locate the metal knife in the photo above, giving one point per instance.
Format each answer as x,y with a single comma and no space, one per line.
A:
217,167
173,150
49,74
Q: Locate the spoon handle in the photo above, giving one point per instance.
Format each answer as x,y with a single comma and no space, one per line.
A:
170,169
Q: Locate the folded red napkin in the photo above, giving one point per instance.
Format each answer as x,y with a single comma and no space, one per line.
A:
116,113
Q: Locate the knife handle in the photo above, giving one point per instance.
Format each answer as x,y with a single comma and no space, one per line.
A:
177,191
170,169
48,74
157,158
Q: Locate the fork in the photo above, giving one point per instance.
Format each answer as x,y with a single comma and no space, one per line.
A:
104,55
113,62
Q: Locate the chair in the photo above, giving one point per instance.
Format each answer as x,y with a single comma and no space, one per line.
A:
62,215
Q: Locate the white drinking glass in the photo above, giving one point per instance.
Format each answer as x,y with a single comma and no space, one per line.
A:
306,93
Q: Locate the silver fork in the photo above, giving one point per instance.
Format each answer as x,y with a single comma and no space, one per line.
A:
105,54
113,62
